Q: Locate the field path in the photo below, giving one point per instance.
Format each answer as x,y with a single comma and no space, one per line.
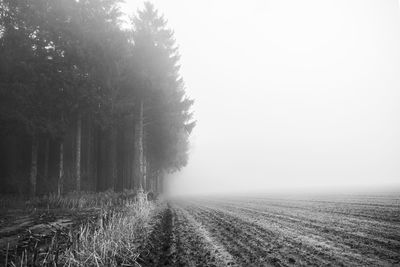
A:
276,232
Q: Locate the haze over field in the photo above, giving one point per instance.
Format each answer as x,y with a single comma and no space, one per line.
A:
289,94
200,133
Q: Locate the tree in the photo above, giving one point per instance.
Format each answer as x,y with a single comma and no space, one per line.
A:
161,89
91,43
72,81
26,71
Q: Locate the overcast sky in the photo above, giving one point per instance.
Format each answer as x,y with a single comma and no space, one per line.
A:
289,94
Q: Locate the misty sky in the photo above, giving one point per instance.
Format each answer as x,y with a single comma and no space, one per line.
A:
289,94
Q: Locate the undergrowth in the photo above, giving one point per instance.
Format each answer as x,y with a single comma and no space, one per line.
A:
115,242
72,200
114,239
81,200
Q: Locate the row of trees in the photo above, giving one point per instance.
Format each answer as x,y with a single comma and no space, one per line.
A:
84,104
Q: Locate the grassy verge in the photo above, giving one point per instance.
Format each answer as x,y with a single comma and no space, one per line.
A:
115,242
72,200
113,239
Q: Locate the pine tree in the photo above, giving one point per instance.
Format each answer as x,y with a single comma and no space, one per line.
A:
160,87
67,69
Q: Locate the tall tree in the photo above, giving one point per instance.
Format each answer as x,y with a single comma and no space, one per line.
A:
71,77
26,61
161,88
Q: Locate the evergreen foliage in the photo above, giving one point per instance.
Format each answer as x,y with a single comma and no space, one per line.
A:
71,85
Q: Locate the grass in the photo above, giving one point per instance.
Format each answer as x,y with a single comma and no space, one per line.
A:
115,242
72,200
81,200
11,202
114,239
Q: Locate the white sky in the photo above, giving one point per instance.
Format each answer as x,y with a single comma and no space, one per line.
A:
289,94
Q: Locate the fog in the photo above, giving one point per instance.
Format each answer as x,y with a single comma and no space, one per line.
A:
290,95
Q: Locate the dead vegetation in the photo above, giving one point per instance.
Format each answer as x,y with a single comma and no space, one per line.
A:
76,230
115,241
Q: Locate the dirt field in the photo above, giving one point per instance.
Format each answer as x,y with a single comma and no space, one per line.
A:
344,231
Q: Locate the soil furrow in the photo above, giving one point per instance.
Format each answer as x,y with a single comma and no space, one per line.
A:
259,232
371,242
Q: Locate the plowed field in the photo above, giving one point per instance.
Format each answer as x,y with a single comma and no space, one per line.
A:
345,231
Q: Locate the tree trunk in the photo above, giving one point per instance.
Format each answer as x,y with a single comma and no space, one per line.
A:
139,160
113,159
155,180
78,153
119,186
133,168
60,183
89,165
144,171
158,182
34,159
97,155
46,159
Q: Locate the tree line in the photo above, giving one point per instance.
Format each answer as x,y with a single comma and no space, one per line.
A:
86,104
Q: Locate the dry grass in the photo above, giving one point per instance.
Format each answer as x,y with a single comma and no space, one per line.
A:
9,201
81,200
115,241
72,200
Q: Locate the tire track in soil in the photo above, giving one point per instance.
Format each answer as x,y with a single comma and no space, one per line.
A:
370,246
201,235
258,246
387,230
194,247
178,240
247,248
371,243
159,251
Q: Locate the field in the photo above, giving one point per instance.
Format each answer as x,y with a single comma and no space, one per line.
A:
262,231
109,229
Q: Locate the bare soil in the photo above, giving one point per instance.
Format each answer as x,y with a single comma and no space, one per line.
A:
352,231
247,231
